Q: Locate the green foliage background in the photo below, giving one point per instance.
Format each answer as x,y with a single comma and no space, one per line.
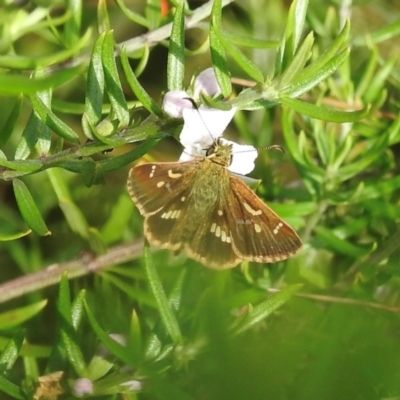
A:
80,78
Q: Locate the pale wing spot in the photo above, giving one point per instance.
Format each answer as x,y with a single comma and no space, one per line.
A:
167,215
220,213
228,239
218,231
172,175
213,227
153,168
251,211
279,226
174,213
183,198
160,184
257,228
223,236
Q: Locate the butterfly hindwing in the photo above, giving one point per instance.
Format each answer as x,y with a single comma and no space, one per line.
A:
258,234
211,243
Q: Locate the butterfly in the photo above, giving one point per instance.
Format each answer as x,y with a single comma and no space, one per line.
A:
200,207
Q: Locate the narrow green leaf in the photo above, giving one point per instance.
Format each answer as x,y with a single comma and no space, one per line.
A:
10,319
291,37
322,112
298,62
72,28
11,389
74,217
9,125
176,52
338,245
103,19
166,312
135,338
327,55
112,81
220,64
67,331
153,13
117,162
28,208
244,63
261,311
114,347
378,82
249,42
17,84
133,16
12,236
137,88
95,85
11,351
52,121
299,85
114,229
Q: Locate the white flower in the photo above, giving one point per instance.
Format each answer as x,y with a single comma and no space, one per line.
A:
203,126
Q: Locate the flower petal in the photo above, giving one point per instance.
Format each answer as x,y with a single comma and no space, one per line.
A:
202,126
243,157
175,102
206,83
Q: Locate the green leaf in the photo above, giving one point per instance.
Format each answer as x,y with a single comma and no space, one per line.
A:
218,56
72,28
117,162
113,230
11,389
112,81
243,62
338,245
322,112
95,85
261,311
148,103
11,351
380,80
17,84
9,124
10,319
52,121
114,347
67,331
291,37
298,62
28,208
133,16
176,52
103,19
304,83
166,312
12,236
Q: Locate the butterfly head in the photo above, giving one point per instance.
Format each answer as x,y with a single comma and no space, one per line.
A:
220,153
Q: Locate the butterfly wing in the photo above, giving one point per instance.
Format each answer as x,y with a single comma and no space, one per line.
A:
154,185
258,234
161,191
211,243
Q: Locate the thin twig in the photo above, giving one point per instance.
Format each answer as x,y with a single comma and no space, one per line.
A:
341,300
83,266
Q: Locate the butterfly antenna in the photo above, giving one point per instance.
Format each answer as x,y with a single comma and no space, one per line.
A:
273,147
198,112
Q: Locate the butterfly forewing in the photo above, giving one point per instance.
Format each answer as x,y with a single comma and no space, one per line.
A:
258,234
154,185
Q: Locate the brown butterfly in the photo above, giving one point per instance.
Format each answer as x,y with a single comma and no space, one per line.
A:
198,206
